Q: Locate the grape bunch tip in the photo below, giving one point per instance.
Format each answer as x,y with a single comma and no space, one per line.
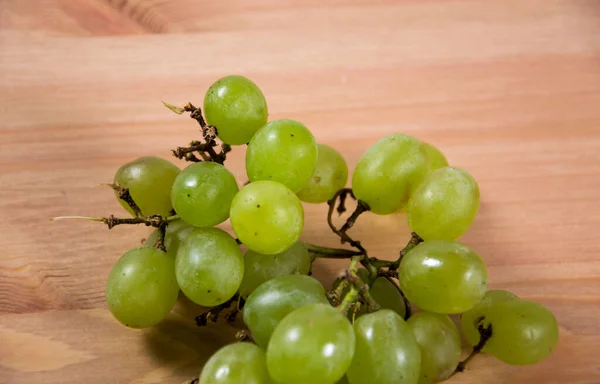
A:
366,328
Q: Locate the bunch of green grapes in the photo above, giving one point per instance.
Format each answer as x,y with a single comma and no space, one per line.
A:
363,330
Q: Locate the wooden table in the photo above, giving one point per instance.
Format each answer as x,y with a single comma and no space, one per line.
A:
510,90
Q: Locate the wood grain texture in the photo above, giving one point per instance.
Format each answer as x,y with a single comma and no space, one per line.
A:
510,90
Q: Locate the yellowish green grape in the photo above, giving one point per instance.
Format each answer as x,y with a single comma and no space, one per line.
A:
236,364
435,158
523,332
267,217
202,194
259,267
284,151
141,288
175,233
439,341
469,320
237,107
314,344
209,266
443,277
388,172
149,180
386,351
329,177
444,206
268,304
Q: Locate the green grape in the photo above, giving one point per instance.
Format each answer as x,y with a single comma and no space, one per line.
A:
435,158
344,380
444,205
149,180
440,345
209,266
235,364
202,194
237,107
388,172
443,277
469,320
141,288
267,217
175,233
284,151
329,177
275,299
259,267
523,332
314,344
386,351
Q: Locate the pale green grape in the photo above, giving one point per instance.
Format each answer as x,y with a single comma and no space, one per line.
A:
388,172
275,299
444,205
209,266
284,151
443,277
141,288
175,233
202,194
314,344
236,364
439,341
469,320
259,267
237,107
149,180
523,332
386,351
435,158
267,217
329,177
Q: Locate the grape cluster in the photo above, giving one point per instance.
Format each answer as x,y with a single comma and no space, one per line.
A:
365,329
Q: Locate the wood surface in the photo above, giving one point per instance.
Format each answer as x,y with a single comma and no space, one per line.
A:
509,90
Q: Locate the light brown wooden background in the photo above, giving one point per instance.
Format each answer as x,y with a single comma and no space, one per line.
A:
510,90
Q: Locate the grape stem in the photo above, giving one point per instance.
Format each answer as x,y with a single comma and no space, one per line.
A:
413,242
358,288
123,194
206,150
155,221
485,333
331,253
342,233
212,314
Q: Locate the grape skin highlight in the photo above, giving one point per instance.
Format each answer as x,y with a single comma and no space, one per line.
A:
241,363
275,299
443,277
